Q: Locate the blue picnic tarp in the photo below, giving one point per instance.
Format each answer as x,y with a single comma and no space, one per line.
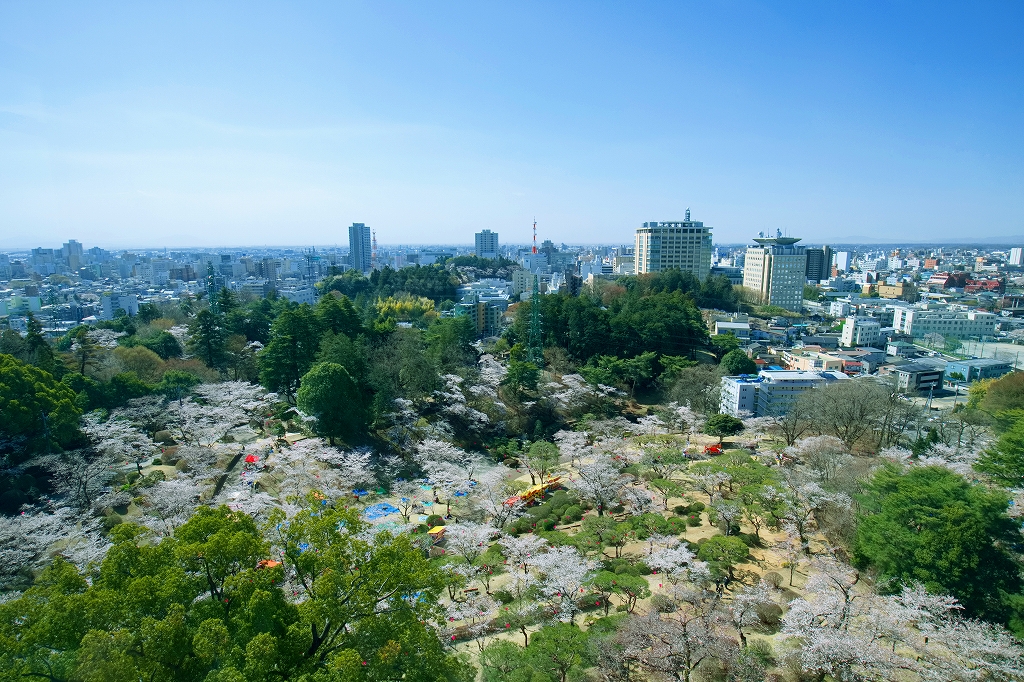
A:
379,510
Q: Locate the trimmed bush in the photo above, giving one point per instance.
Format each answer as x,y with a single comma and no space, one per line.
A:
435,520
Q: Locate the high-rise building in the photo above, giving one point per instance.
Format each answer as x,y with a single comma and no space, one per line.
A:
1017,256
819,264
359,247
486,244
843,261
775,271
683,245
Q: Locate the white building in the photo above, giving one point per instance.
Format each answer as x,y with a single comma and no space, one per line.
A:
110,303
683,245
298,295
487,244
772,392
861,330
839,308
843,261
918,322
739,395
1017,256
775,271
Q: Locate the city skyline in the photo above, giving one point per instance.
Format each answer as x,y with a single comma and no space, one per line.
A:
201,126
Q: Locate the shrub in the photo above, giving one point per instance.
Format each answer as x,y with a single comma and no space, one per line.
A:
681,509
662,604
435,520
617,509
504,596
157,462
693,520
573,513
773,579
697,507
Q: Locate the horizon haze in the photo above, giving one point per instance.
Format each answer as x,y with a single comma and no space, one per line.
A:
199,125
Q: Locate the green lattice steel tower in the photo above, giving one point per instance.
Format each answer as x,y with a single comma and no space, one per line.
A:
536,342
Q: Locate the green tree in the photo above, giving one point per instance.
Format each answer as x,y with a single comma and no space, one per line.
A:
521,379
723,344
294,341
736,362
85,352
722,554
722,425
38,411
329,394
1005,460
930,525
337,314
540,458
38,348
558,650
176,384
208,339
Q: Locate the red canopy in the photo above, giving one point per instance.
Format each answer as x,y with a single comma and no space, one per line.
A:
250,459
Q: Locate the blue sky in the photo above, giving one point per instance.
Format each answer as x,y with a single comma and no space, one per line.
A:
172,124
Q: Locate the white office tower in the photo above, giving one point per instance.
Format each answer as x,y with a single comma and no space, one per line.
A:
487,244
1017,256
683,245
359,247
843,261
775,271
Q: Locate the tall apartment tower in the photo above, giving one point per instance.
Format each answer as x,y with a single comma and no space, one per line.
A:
359,247
486,244
819,264
776,270
683,244
1017,256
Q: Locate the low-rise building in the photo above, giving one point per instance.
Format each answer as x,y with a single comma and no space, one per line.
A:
918,377
975,370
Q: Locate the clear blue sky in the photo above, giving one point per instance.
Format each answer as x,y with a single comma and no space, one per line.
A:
175,124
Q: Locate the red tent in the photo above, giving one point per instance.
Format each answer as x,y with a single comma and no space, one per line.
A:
251,459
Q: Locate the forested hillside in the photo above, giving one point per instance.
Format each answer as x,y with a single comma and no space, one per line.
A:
362,490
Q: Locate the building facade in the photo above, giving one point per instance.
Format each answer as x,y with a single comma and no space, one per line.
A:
1017,256
861,330
683,245
918,322
486,244
359,247
772,392
819,264
775,272
975,370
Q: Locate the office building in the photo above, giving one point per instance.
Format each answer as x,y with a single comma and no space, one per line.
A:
861,330
772,392
674,245
111,303
1017,256
486,244
917,322
776,271
843,261
819,264
359,247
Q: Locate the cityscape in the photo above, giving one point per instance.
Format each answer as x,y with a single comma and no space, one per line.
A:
338,343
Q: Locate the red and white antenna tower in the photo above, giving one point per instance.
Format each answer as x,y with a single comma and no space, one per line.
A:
535,235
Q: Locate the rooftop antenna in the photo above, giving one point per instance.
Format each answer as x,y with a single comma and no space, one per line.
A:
687,214
535,235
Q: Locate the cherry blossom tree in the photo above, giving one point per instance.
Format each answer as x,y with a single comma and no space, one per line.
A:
495,498
521,551
599,482
119,440
573,446
564,574
746,605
